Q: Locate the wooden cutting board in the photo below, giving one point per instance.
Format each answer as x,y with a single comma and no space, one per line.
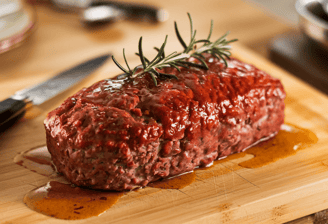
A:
282,191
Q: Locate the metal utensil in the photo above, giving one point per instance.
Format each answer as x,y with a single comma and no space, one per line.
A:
100,11
13,108
313,21
109,11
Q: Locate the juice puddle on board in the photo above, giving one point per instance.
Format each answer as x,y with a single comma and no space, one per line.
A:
65,201
286,143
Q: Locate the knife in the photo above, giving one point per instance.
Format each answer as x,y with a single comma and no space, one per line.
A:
14,108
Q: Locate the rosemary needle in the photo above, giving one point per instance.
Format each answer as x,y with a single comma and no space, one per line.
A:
219,49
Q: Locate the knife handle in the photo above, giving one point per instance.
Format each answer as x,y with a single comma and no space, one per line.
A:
11,110
131,11
140,12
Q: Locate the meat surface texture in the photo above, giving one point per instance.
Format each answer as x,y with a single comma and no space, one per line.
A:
123,134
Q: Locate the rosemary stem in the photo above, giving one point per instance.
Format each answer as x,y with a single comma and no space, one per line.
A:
219,49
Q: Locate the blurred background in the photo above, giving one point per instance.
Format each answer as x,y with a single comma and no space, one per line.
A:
283,9
43,25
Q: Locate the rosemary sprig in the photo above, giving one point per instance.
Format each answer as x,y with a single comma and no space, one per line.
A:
219,49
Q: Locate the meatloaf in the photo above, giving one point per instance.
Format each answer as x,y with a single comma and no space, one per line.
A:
119,134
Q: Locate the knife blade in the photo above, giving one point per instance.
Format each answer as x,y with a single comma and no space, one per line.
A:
14,107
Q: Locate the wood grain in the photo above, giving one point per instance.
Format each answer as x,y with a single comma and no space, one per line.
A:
277,193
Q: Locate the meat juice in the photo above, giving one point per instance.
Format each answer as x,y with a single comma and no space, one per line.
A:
82,203
64,201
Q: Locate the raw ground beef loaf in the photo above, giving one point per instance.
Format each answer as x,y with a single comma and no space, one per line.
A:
122,134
